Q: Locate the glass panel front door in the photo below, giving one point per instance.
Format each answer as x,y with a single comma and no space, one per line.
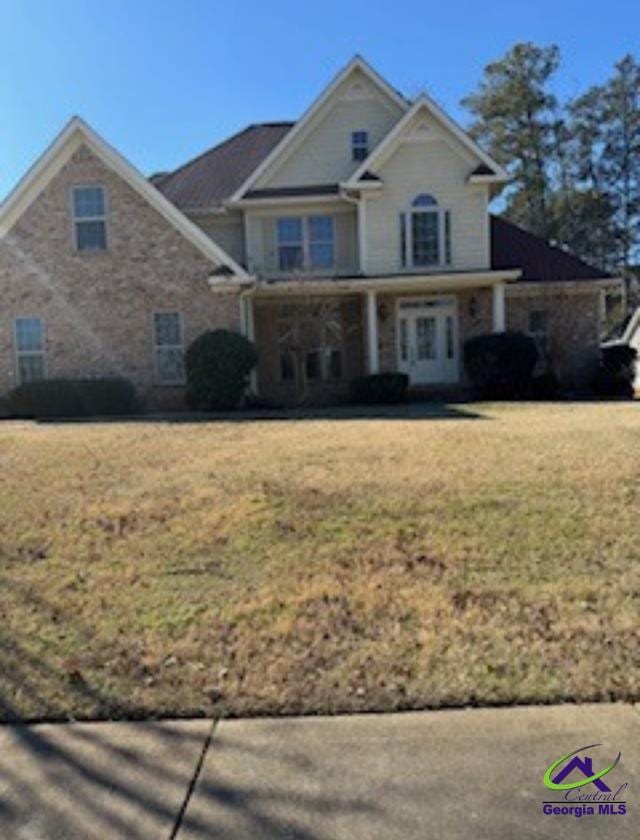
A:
427,340
426,332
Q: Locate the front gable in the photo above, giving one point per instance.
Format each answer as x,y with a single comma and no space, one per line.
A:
425,122
318,148
78,139
322,154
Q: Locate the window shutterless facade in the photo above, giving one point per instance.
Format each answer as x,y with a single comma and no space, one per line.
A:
89,204
168,344
29,345
306,243
425,234
359,145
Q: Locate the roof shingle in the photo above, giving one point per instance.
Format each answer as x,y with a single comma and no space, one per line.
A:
514,247
209,179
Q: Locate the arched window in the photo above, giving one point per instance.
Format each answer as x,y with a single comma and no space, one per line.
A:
424,200
425,232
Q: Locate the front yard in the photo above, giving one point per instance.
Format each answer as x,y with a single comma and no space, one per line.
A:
320,565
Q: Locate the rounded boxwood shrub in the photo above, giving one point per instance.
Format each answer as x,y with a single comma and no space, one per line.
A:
218,364
500,365
616,374
380,388
50,398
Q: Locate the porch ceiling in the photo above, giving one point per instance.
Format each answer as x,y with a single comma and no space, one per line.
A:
450,281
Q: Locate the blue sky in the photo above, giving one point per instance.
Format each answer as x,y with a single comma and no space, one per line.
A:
162,81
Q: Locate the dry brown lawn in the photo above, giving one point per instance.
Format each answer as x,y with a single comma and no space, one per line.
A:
320,565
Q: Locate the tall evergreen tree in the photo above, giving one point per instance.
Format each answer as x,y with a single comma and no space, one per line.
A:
604,132
621,155
516,119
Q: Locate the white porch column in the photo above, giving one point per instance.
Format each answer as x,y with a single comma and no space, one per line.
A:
499,316
362,234
372,331
247,329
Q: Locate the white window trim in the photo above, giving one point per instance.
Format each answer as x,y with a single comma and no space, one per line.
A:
19,353
103,218
307,242
442,244
169,383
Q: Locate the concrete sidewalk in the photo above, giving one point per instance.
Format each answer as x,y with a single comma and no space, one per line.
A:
456,774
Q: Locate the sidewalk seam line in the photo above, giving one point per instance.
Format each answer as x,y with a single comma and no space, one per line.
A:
193,781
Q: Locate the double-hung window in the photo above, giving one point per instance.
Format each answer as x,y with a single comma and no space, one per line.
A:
359,145
290,244
306,243
168,348
425,234
29,338
89,218
320,233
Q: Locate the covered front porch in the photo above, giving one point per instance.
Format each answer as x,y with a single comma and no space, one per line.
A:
314,337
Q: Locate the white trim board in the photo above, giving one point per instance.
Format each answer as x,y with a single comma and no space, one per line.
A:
356,63
76,133
632,326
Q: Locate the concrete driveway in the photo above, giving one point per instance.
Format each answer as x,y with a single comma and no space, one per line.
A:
456,774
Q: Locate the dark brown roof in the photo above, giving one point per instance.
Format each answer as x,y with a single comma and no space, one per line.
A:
513,247
212,177
292,192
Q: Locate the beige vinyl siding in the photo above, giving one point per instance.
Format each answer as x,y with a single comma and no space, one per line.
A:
323,154
263,246
431,166
226,230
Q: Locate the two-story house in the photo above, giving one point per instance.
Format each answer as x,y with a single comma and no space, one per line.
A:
357,239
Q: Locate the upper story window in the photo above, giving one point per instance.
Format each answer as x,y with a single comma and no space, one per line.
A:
168,348
90,218
425,234
359,145
305,243
29,337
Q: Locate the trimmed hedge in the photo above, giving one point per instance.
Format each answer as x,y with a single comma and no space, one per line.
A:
500,365
218,364
616,374
73,398
385,388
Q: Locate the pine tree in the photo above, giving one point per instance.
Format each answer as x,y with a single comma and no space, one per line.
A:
516,119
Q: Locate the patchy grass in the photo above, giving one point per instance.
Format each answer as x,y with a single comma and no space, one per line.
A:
320,565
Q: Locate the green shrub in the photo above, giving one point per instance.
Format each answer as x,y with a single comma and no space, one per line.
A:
218,364
616,374
73,398
546,386
380,388
500,365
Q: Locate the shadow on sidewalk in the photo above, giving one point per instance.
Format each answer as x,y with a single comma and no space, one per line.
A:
115,780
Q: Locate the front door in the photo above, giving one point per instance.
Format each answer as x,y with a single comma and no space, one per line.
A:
428,340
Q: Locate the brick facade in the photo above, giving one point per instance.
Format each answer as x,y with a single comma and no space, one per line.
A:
573,326
97,307
573,333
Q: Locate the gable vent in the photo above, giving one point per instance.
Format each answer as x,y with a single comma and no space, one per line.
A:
358,90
